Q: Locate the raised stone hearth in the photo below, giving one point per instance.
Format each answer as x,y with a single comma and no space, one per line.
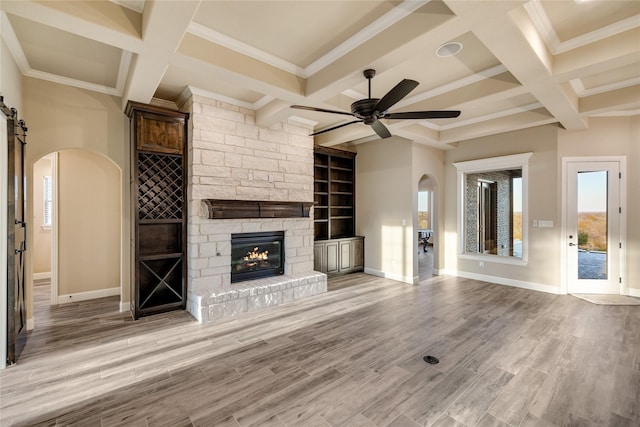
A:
211,304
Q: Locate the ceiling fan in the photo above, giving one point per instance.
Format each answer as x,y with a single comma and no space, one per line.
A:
370,110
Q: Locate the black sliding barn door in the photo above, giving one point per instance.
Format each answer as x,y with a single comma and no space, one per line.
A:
16,234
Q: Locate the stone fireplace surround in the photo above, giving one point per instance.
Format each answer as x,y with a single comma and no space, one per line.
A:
232,158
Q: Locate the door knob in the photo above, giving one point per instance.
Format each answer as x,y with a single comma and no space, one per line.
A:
572,244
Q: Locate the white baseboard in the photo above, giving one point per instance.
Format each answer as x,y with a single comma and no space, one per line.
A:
125,306
504,281
42,276
83,296
392,276
30,324
633,292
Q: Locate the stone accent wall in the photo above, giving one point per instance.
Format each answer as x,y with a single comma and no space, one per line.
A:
233,158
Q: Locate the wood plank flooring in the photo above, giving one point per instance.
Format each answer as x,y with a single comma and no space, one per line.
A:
351,357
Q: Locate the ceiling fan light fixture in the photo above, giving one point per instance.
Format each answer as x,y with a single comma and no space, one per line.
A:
449,49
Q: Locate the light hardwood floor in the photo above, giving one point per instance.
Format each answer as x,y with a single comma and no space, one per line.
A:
350,357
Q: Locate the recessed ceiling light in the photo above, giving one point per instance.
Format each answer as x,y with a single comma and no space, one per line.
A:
449,49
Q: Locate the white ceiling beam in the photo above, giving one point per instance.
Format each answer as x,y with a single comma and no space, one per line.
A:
513,38
273,112
161,41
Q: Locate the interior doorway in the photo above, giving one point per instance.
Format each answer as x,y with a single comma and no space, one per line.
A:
76,207
426,226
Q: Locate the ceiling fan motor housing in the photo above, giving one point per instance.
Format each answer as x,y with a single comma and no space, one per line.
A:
365,109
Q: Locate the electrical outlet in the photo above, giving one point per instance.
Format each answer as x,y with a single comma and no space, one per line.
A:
481,264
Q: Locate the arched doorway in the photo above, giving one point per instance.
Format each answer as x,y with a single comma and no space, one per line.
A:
77,238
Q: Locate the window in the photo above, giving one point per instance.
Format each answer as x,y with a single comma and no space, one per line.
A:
492,208
424,210
47,201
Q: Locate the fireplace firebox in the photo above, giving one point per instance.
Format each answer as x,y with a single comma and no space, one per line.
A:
256,255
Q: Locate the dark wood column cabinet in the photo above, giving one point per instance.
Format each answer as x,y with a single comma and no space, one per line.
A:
159,208
337,249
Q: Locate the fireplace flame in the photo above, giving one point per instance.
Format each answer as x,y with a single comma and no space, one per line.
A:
256,255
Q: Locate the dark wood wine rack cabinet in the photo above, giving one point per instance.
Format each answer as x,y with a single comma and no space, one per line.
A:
159,208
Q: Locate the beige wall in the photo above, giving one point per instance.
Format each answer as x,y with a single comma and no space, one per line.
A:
614,136
385,193
41,235
429,162
542,271
88,223
62,117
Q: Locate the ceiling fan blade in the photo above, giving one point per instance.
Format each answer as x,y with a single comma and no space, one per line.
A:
399,91
381,129
336,127
441,114
322,110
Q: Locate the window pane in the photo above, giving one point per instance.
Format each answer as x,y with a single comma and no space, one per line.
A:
424,214
493,213
48,200
592,225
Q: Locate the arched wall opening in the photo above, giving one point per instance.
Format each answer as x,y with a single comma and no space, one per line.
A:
83,237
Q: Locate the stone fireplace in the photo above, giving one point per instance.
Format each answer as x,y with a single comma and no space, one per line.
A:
268,170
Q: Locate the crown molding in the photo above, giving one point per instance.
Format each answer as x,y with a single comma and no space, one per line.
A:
159,102
243,48
624,113
578,86
480,119
13,44
396,14
67,81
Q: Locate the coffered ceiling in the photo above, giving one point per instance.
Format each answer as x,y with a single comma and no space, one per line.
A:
522,63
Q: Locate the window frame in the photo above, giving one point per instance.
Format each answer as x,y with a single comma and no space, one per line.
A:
515,161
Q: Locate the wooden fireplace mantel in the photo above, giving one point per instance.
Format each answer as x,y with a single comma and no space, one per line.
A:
236,209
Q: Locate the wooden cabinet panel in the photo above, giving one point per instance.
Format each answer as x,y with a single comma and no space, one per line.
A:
159,133
318,258
345,255
339,256
331,251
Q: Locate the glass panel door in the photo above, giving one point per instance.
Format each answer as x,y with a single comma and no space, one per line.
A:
593,227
